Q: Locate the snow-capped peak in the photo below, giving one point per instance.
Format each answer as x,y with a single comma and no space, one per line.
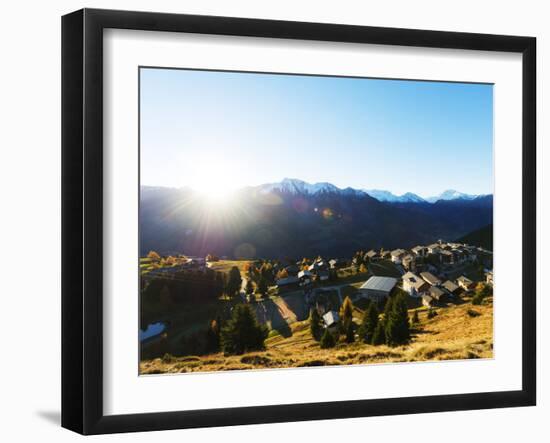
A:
295,186
387,196
451,194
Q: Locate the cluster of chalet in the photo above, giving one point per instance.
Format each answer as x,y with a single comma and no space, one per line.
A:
432,289
319,270
443,253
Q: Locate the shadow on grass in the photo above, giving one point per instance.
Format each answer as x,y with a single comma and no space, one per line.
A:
273,314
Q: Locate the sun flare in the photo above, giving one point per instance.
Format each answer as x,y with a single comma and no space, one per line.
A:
215,192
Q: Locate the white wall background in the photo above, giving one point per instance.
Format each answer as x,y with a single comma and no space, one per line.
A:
30,217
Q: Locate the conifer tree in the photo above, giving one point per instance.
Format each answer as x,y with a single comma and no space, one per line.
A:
369,323
327,340
242,333
388,307
350,332
346,311
397,322
415,319
379,336
234,282
315,324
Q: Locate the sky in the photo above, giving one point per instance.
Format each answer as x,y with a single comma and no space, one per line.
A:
245,129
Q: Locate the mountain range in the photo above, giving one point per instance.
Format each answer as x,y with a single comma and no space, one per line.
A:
293,218
296,186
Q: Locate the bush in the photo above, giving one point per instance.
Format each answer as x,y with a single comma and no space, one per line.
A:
432,313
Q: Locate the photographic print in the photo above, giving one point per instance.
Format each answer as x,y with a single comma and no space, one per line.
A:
293,221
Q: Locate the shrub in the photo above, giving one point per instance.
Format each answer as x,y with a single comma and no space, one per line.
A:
432,313
167,358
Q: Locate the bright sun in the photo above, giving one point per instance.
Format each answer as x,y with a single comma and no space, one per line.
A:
214,179
215,191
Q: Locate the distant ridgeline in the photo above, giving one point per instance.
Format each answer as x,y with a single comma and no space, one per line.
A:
480,237
294,219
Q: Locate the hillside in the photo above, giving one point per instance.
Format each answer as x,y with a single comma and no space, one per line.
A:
458,332
282,222
482,237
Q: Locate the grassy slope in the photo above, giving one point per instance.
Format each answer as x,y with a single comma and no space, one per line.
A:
453,334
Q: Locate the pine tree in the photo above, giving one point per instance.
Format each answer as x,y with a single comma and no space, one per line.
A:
397,322
315,324
369,323
415,319
234,282
388,307
242,333
350,332
346,311
379,336
327,340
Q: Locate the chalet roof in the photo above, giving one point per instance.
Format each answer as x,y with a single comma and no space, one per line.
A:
303,274
383,284
427,298
465,280
450,286
331,318
430,278
414,280
397,252
410,276
436,292
371,253
418,248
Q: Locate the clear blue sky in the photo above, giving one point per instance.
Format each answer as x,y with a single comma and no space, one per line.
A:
248,129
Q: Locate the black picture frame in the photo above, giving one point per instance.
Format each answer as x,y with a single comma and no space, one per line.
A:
82,218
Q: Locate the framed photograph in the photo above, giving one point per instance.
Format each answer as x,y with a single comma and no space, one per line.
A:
269,221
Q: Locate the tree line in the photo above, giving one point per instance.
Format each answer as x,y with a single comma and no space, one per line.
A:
391,327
